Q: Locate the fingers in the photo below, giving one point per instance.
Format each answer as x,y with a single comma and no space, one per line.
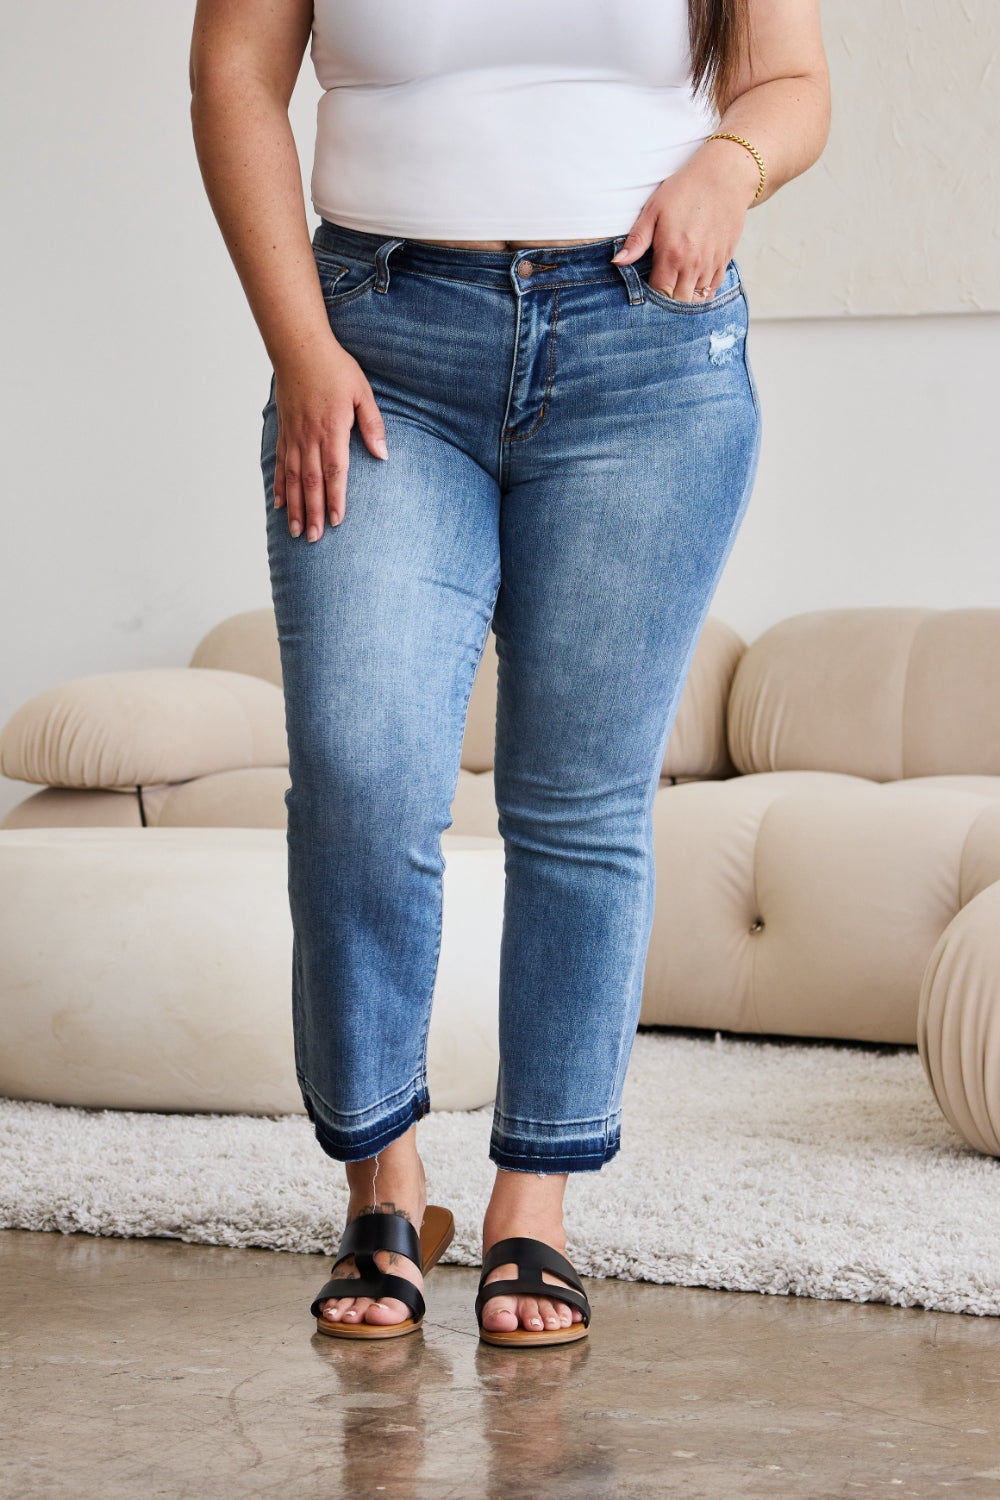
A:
318,402
370,426
683,284
294,496
678,270
279,470
637,242
686,281
332,482
311,479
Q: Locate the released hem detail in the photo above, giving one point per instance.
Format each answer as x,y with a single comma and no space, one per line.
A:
570,1156
361,1145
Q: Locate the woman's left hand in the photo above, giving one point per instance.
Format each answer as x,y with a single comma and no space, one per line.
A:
693,221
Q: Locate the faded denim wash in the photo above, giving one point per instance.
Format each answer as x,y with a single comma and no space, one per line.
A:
570,457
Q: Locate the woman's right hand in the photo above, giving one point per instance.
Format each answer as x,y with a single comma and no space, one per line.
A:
319,397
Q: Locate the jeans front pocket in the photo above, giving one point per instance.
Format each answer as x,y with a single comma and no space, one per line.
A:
342,279
729,288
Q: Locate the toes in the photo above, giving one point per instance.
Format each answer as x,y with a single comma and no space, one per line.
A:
527,1308
548,1313
567,1312
500,1314
366,1309
335,1308
505,1314
388,1310
357,1310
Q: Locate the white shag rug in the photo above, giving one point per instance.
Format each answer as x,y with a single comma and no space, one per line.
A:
789,1168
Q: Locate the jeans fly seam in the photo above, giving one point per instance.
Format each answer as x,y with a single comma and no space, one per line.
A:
519,437
504,451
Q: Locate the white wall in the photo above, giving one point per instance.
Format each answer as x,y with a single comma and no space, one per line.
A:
878,480
134,379
900,213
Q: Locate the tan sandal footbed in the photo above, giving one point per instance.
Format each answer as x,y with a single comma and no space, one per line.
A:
524,1338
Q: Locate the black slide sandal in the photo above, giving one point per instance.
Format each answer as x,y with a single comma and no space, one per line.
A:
531,1257
364,1236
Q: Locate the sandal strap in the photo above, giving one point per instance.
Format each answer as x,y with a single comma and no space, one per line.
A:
523,1287
362,1238
382,1285
376,1231
531,1257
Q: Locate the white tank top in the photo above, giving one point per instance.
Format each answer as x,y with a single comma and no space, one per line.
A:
527,119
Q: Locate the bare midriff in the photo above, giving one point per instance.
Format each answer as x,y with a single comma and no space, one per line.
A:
510,244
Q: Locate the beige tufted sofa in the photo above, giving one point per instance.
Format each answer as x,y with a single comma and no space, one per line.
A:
827,825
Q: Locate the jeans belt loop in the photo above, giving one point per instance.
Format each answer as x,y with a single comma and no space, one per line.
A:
382,263
629,275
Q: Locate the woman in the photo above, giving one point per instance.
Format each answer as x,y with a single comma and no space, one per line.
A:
510,372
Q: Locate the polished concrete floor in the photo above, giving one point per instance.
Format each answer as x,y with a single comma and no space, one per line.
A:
136,1368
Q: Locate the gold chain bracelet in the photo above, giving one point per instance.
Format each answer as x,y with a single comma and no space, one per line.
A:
724,135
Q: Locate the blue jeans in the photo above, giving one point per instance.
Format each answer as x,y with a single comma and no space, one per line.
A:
570,457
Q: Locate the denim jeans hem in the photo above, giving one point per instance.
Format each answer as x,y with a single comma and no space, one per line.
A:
345,1145
569,1156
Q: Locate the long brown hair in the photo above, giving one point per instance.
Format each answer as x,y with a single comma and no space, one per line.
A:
720,31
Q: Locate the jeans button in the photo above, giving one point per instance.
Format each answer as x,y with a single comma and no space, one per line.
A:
525,268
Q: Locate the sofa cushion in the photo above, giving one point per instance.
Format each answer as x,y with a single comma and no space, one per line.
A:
480,721
881,693
252,797
807,903
474,807
697,746
247,642
951,708
76,807
958,1027
126,729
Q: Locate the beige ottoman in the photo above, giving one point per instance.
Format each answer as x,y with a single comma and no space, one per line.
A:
958,1028
151,969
